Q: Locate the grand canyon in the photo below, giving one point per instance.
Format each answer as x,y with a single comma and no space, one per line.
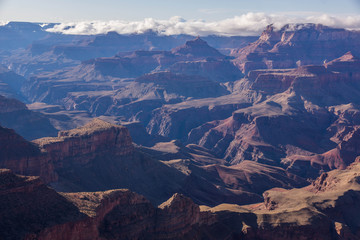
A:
147,136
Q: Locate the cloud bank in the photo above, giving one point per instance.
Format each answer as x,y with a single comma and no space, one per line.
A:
3,23
250,24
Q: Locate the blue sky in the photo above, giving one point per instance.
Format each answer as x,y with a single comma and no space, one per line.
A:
209,10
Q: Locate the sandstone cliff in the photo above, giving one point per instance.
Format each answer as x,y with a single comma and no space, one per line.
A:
327,209
31,210
29,206
295,45
23,157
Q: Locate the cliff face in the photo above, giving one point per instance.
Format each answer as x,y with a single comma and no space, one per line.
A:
31,210
23,157
91,151
327,209
197,48
28,206
121,214
47,157
294,45
95,138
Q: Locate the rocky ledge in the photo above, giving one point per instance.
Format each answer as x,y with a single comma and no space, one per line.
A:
46,157
93,138
31,210
28,206
326,209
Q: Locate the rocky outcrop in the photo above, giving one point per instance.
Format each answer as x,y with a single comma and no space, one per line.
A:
114,214
47,157
28,206
294,45
23,157
251,128
348,63
96,137
180,218
8,105
317,84
327,209
327,213
31,210
197,48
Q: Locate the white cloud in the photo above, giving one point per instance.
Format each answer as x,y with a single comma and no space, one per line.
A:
3,23
243,25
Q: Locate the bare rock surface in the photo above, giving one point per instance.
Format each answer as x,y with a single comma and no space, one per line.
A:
326,209
294,45
303,123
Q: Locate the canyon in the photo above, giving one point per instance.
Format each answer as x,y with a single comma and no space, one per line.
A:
144,136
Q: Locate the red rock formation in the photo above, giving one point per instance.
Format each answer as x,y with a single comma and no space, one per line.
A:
96,137
348,63
30,210
197,48
327,209
179,217
28,206
294,45
121,214
46,156
23,157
